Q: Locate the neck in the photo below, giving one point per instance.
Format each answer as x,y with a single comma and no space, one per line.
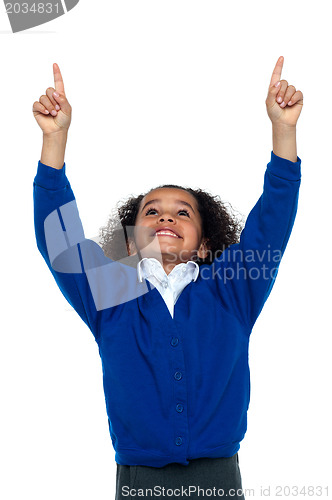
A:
168,265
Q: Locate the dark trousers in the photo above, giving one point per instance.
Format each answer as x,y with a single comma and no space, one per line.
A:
211,475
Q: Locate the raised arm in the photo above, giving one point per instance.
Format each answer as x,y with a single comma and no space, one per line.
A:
89,281
248,270
53,114
58,227
283,104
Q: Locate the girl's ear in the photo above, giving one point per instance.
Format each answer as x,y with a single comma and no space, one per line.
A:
203,249
131,247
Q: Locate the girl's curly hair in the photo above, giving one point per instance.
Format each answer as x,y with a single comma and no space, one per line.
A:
221,224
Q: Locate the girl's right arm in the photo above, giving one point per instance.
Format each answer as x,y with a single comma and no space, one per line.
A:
58,228
53,114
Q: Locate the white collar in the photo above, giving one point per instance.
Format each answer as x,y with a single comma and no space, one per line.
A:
150,266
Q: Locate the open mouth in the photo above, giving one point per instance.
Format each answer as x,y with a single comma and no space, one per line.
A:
167,233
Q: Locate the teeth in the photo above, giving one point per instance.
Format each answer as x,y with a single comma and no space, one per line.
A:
167,234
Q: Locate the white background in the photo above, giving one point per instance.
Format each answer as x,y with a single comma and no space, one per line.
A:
163,92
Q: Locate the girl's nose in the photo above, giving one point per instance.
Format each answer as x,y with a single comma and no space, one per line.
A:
162,219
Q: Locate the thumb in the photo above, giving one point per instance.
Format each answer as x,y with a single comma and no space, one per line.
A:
271,96
62,100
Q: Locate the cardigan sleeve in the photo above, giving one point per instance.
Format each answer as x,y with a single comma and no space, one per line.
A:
61,241
247,270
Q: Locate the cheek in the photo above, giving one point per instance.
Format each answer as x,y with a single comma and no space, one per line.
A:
138,233
142,233
193,232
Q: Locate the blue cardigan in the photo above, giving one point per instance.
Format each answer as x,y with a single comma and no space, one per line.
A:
177,388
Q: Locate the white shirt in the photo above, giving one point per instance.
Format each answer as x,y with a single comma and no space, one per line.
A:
169,286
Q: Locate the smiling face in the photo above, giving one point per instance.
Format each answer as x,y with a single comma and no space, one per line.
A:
168,227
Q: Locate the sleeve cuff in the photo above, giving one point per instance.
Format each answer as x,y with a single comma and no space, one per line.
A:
285,169
51,178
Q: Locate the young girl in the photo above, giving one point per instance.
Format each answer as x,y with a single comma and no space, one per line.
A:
173,309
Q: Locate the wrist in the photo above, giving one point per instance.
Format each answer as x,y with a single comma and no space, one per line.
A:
56,137
53,149
283,128
284,141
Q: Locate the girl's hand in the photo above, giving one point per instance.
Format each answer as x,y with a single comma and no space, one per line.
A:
283,103
53,114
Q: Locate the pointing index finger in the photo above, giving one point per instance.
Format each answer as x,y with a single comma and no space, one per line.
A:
276,75
58,81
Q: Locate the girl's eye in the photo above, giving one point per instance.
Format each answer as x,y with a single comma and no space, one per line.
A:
154,210
150,209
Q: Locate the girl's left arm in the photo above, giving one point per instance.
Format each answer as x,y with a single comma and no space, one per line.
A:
249,269
283,104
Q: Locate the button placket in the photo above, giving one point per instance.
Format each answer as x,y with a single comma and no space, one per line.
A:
181,431
166,325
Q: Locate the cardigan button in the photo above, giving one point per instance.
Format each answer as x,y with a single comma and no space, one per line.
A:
179,408
174,341
178,441
178,375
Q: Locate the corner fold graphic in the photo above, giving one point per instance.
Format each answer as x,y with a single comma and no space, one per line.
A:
70,4
28,14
